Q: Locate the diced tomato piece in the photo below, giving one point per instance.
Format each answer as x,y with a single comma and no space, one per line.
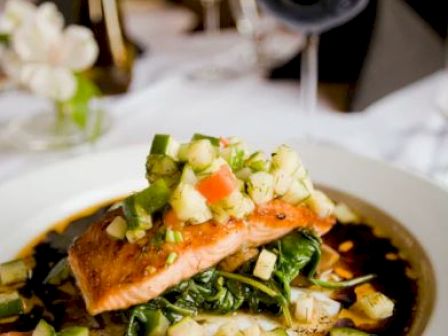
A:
217,186
224,142
170,219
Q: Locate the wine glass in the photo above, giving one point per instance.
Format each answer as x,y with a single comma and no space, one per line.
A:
311,18
254,26
212,25
440,172
268,43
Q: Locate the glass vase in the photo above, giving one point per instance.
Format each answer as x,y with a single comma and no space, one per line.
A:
57,127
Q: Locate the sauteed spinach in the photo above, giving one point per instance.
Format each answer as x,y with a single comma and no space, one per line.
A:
222,292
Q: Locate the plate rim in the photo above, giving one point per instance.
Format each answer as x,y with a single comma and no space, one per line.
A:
436,321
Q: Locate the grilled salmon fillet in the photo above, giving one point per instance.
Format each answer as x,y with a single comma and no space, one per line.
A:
114,274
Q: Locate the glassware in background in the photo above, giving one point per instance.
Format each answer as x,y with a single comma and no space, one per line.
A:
442,96
113,69
214,71
254,26
311,18
268,43
53,129
112,72
248,22
441,153
54,74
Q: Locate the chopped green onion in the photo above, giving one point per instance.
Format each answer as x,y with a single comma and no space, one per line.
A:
137,217
44,329
74,331
164,144
171,258
155,197
10,304
172,236
213,140
342,284
169,236
257,162
159,166
59,273
13,272
139,207
178,237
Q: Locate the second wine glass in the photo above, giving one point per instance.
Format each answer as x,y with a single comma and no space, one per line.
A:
213,71
311,18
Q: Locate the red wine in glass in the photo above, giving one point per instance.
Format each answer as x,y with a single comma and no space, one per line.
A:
311,18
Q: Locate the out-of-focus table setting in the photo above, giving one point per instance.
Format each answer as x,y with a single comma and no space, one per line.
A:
223,167
405,128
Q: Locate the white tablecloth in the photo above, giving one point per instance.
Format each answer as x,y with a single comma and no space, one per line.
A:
405,128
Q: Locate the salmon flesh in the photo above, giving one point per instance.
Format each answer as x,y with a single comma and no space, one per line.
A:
115,274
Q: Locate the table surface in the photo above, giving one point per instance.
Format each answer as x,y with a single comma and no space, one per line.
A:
406,128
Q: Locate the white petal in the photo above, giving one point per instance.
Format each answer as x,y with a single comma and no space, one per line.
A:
48,17
79,48
29,45
10,64
37,43
17,13
38,40
55,83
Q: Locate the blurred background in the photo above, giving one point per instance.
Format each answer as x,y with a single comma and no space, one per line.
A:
250,68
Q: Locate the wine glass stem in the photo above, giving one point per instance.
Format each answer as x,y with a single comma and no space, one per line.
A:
211,16
309,77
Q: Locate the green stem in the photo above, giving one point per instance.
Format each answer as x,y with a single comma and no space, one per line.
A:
60,117
287,314
176,309
251,282
342,284
263,288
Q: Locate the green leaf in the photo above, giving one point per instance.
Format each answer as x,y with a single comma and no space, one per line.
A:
236,159
4,38
78,105
223,292
297,251
342,284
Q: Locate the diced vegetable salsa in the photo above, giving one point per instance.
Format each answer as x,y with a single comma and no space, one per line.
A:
215,178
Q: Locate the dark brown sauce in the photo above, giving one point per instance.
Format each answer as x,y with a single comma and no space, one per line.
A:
369,256
64,305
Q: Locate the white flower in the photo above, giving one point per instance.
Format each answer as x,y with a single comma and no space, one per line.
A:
49,18
57,83
10,63
43,55
38,39
79,49
16,13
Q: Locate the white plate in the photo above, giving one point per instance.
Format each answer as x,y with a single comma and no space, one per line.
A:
31,203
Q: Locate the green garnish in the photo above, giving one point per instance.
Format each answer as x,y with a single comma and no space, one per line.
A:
11,304
178,237
171,258
213,140
169,236
173,236
342,284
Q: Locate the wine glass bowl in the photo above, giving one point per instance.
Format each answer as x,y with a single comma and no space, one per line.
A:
267,42
311,18
315,16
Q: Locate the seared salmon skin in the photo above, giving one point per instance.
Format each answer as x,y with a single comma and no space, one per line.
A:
115,274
